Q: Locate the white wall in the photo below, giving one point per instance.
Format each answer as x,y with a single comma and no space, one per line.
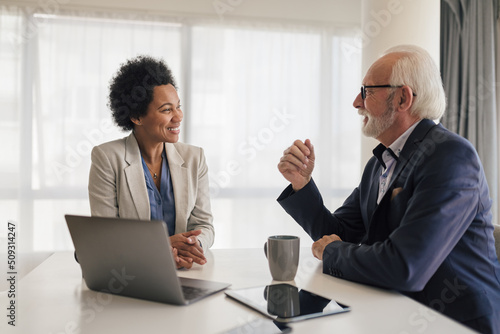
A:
342,12
387,23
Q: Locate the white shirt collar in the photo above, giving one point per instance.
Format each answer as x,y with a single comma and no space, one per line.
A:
398,144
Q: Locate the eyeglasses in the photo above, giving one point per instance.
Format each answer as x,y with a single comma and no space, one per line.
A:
363,89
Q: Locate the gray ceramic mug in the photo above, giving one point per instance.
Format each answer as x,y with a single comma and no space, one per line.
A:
282,252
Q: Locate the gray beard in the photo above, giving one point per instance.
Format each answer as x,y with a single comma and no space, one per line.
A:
375,126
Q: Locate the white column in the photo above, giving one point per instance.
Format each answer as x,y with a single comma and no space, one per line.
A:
387,23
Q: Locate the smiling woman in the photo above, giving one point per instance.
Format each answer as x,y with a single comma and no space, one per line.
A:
162,120
149,174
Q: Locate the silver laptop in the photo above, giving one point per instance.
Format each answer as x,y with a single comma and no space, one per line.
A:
133,258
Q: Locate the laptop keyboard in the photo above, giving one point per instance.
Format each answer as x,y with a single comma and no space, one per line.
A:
191,293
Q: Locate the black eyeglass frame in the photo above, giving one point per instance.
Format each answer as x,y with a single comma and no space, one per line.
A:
363,87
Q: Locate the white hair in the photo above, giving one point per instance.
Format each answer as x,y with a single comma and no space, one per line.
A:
416,69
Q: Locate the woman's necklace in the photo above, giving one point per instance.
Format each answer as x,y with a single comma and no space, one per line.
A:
155,176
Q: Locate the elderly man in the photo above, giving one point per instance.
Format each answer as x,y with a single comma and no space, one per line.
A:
419,221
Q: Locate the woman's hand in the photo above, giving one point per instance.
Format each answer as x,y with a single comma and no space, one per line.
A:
180,262
187,249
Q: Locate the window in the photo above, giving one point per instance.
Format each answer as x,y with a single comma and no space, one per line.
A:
247,93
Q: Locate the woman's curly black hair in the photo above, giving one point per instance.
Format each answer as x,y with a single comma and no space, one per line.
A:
131,89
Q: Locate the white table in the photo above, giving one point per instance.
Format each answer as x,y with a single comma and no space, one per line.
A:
53,299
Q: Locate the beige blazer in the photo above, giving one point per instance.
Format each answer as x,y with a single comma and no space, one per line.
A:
117,187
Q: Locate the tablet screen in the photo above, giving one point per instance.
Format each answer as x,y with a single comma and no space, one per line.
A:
286,303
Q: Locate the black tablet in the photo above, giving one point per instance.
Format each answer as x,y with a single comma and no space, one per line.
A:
286,303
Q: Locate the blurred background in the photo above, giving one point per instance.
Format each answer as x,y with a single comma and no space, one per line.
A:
253,76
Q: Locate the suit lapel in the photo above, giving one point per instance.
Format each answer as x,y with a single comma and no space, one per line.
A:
179,177
374,188
411,146
375,179
377,229
134,174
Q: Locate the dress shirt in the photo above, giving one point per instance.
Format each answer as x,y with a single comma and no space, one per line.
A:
389,158
161,202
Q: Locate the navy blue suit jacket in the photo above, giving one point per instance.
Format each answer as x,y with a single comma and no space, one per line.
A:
431,236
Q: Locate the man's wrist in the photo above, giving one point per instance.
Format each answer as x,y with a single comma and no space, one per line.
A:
296,188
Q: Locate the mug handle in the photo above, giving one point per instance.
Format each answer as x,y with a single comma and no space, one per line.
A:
265,249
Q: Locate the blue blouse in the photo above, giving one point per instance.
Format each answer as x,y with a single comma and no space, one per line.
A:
161,202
